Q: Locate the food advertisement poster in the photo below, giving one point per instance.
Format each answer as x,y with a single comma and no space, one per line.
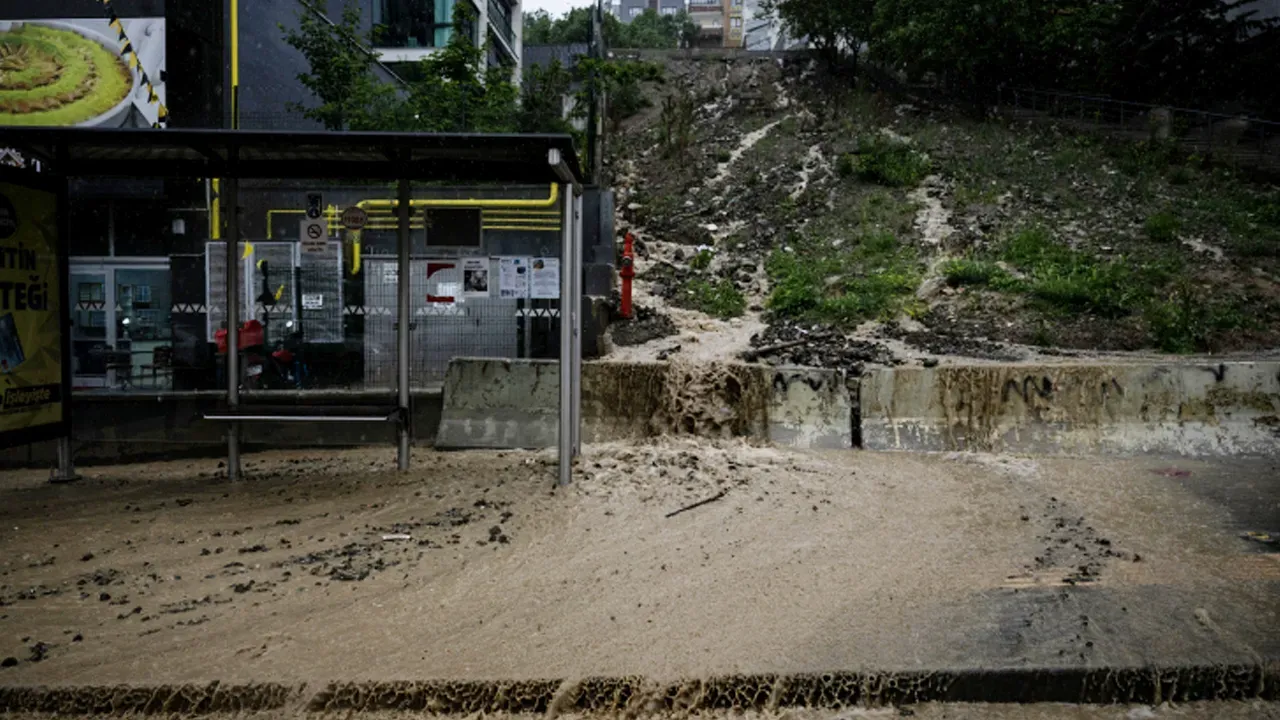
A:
106,70
33,350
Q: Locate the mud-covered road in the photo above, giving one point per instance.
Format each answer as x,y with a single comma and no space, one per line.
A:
332,567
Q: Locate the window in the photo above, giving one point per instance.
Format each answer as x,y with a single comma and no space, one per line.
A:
412,23
735,23
635,12
670,10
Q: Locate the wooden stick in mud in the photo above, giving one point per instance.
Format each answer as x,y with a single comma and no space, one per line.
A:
770,349
698,504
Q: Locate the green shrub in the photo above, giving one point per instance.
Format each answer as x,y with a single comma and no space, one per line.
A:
846,165
723,156
889,162
1163,227
970,272
871,278
701,260
720,299
1185,321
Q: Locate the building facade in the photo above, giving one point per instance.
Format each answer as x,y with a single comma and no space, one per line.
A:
628,10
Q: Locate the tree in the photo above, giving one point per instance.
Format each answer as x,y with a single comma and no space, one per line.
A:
1178,51
649,30
833,28
971,45
449,92
341,78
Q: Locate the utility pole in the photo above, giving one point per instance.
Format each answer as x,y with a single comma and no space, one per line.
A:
595,113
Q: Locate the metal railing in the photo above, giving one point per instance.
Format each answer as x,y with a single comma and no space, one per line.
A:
500,19
1235,139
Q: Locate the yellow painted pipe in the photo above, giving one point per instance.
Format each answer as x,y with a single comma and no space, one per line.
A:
549,201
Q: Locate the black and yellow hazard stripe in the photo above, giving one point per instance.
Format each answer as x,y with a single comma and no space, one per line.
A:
131,57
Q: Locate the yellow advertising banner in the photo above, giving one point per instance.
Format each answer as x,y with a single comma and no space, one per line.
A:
31,314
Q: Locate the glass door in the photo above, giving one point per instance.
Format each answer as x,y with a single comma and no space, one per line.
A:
90,330
142,327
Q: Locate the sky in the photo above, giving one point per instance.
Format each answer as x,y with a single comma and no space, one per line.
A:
555,7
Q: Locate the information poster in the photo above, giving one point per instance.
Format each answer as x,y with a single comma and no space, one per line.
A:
544,283
513,277
475,277
32,353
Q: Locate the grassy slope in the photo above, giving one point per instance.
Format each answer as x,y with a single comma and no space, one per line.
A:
1059,239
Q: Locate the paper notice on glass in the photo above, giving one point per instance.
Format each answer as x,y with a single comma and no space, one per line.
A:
513,277
475,277
544,283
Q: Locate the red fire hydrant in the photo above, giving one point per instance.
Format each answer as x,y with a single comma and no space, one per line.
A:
627,273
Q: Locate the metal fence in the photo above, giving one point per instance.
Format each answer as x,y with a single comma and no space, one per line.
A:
1234,139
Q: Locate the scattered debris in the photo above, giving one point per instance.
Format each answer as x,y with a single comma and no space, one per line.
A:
698,504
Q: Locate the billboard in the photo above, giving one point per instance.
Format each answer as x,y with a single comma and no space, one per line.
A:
34,348
102,71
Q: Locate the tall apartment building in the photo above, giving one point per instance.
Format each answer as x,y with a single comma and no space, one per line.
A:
628,10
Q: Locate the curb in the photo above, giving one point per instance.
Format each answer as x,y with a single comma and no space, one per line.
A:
639,696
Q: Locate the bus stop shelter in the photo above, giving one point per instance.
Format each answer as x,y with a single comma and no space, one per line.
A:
401,158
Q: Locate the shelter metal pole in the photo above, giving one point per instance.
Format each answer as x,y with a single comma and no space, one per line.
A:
576,308
231,205
566,435
66,469
402,329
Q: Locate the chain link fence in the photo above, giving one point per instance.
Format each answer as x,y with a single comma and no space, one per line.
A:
1233,139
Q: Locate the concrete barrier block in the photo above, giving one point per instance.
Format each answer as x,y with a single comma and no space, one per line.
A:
1183,409
811,409
492,403
515,403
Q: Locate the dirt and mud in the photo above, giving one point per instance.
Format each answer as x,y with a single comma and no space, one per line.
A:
332,567
763,167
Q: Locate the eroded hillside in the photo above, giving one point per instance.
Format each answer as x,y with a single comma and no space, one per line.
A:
776,205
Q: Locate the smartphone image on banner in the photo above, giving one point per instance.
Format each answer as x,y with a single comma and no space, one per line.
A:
11,355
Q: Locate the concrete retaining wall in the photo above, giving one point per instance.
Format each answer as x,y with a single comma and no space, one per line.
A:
1195,410
515,404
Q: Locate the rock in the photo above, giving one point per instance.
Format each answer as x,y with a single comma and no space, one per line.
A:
9,662
39,652
86,557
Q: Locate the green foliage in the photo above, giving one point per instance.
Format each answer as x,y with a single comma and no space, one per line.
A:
1186,321
1074,282
846,165
1163,227
542,99
648,30
350,97
972,272
723,156
621,83
876,278
832,27
886,161
720,299
1177,53
676,125
701,260
448,92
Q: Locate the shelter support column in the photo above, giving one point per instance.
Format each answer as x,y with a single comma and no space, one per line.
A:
403,282
566,434
231,206
66,469
575,307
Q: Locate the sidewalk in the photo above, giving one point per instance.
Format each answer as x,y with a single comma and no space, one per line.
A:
912,577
